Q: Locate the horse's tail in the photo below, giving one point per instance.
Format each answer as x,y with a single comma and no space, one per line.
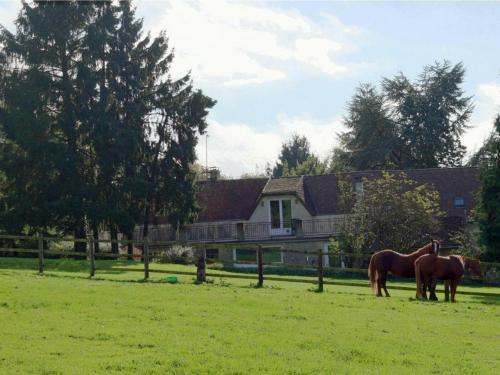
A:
418,279
372,273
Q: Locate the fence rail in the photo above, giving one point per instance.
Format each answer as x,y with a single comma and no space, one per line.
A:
40,249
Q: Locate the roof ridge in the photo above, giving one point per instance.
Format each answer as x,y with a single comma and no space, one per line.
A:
284,177
237,179
389,170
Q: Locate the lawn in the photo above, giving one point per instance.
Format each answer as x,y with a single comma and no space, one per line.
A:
65,323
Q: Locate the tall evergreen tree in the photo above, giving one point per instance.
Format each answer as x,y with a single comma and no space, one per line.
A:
431,115
489,203
293,152
44,155
409,124
371,141
100,131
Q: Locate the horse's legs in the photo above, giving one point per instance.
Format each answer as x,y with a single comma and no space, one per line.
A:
453,287
447,290
385,287
432,290
379,286
381,277
425,284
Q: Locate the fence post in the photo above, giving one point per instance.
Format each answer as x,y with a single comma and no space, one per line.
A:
320,271
260,269
146,258
201,275
90,241
40,253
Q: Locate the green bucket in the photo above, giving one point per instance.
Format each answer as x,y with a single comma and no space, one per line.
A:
171,279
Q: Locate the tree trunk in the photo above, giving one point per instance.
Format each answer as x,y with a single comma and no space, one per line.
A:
114,237
130,246
95,230
80,247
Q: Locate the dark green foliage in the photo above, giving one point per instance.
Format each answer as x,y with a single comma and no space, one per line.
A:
409,125
43,156
392,212
371,141
311,166
485,155
488,210
96,132
296,159
431,114
293,152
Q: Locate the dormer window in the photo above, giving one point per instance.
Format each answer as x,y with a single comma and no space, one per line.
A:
459,202
281,217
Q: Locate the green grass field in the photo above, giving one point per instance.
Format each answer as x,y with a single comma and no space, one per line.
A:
65,323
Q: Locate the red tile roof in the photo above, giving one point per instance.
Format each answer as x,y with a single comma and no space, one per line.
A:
237,199
229,199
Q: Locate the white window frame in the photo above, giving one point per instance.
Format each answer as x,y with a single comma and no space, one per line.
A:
281,231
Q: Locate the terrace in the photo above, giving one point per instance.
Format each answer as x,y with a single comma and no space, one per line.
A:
245,231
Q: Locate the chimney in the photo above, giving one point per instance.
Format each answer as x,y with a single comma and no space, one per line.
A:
211,173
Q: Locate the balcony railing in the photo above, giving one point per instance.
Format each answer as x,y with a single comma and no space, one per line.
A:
243,231
322,227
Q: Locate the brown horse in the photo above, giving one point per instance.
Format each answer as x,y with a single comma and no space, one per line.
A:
401,265
451,268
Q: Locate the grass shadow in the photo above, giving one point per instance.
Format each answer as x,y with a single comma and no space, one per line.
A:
67,265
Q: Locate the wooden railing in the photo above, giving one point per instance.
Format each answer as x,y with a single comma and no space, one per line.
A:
243,231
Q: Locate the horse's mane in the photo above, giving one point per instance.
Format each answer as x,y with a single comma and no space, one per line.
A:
422,249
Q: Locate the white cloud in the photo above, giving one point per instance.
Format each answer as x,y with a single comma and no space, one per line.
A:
490,92
487,107
335,23
8,13
320,133
251,43
317,52
239,148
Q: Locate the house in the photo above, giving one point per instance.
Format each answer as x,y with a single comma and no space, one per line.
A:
298,213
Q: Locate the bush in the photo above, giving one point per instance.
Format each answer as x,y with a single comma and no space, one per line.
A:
176,254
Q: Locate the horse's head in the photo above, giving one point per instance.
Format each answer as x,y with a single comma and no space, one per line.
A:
473,265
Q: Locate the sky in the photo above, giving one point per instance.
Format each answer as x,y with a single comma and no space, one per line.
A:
278,68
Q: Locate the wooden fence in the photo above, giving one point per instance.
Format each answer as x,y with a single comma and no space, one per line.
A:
258,266
146,256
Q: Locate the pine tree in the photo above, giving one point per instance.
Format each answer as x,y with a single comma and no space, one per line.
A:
371,141
44,154
409,124
431,115
96,130
489,203
293,152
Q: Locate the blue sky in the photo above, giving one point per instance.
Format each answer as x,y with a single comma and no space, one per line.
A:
278,68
